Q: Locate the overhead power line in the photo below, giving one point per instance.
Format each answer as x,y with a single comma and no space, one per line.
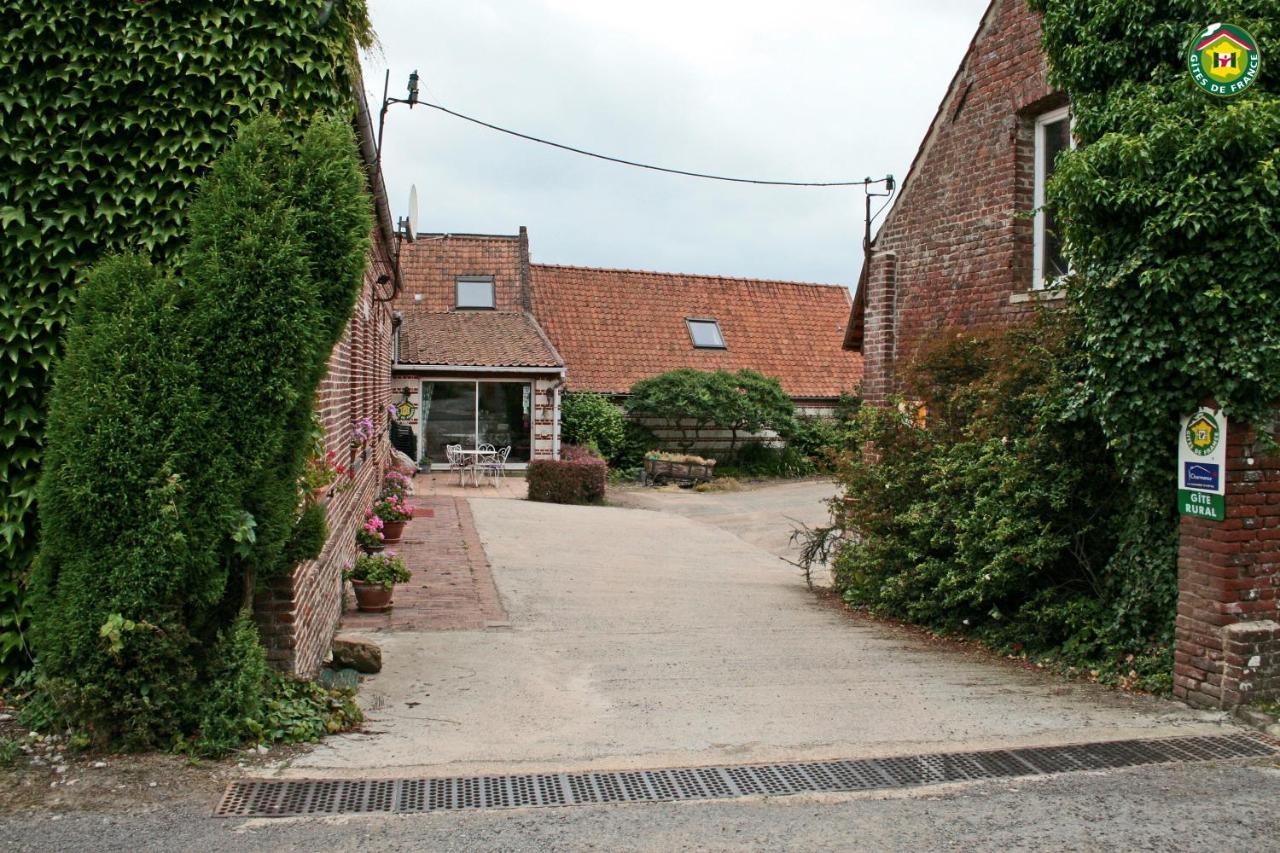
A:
446,110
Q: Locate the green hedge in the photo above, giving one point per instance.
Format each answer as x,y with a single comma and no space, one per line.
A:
110,113
178,435
577,477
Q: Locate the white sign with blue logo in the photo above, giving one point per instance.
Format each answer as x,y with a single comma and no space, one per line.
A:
1202,464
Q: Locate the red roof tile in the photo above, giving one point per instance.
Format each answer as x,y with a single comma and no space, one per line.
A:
614,327
474,339
430,265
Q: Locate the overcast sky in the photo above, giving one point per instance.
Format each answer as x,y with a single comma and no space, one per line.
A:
799,90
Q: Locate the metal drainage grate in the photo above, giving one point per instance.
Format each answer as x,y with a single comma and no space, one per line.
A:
290,798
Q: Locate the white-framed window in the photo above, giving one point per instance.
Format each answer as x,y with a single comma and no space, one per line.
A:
705,334
474,292
1053,136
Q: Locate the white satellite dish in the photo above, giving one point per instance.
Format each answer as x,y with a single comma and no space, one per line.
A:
411,222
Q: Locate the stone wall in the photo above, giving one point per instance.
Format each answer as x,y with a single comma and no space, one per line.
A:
1228,628
298,614
956,249
675,435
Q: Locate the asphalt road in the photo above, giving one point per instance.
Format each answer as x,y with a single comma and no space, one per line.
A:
1173,808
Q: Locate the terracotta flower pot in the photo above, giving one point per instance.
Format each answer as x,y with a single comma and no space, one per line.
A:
372,597
318,494
392,530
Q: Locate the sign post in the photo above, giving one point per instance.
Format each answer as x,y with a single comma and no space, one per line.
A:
1202,465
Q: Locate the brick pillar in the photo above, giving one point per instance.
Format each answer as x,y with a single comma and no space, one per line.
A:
1227,650
878,334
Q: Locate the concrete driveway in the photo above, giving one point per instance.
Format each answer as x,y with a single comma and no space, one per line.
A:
762,515
643,638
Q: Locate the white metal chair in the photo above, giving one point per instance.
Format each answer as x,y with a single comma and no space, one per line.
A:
495,466
457,461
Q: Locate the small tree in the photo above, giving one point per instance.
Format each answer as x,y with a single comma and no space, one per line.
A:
678,396
749,401
745,401
178,434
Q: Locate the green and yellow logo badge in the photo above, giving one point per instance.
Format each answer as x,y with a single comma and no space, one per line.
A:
1203,434
1224,60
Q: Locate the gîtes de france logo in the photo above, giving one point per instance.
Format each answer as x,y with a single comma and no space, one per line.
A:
1224,60
1203,434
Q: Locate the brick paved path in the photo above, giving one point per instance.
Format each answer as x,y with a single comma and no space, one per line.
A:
452,586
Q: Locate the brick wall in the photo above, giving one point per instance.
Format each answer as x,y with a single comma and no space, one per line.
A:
1228,629
297,615
954,251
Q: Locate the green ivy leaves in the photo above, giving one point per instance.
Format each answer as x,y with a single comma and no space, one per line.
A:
109,114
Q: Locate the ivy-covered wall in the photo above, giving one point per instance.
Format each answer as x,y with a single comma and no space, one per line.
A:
109,114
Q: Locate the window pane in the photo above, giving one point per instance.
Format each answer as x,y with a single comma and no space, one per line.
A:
506,412
705,333
1057,138
475,294
448,417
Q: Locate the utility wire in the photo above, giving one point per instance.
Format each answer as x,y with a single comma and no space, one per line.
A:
448,111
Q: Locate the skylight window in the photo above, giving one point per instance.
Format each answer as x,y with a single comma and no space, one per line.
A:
475,292
705,334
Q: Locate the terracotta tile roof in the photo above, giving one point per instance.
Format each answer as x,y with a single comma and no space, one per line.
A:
430,265
474,339
614,327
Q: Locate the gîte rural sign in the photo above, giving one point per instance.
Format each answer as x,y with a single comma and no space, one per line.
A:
1224,60
1202,465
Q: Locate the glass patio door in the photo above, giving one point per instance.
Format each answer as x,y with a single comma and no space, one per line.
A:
476,412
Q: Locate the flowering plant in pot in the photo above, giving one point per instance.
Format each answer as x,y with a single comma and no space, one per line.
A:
395,513
369,536
318,477
398,483
374,576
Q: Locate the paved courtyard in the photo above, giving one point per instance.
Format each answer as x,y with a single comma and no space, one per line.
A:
642,638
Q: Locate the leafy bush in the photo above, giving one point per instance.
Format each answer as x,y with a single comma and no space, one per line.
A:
743,402
303,711
160,510
158,115
310,534
756,460
233,697
591,419
637,440
1002,513
577,477
815,438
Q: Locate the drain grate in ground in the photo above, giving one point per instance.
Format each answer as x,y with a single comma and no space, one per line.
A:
291,798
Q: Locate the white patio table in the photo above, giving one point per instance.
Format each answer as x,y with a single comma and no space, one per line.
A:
474,457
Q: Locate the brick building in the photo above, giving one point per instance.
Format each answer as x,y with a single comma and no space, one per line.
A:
297,615
968,244
487,340
960,247
471,364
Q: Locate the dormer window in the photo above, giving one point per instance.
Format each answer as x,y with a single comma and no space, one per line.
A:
705,334
475,293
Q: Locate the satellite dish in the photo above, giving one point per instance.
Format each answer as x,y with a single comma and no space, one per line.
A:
411,223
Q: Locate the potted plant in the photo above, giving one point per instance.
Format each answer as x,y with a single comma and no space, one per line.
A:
398,483
318,477
395,514
374,576
369,536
